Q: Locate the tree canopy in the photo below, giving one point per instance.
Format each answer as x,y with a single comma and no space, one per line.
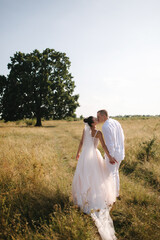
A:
38,85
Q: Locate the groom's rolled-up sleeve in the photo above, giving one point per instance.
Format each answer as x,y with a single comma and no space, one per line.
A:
108,137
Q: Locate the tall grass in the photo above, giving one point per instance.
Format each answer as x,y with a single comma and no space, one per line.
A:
37,167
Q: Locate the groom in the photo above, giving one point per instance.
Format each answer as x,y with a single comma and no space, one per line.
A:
114,139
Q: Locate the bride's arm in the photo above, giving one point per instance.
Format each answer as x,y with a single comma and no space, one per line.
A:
80,146
111,159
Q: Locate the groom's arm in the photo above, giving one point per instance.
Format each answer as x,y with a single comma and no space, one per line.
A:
112,160
108,136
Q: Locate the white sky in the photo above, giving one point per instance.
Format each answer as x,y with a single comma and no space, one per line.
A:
113,45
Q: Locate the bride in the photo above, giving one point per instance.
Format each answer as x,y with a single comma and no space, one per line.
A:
92,188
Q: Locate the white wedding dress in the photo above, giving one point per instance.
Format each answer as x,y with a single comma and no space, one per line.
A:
92,187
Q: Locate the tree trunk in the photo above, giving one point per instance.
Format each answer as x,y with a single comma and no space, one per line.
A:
38,123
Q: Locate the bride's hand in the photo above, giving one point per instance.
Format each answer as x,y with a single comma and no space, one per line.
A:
77,156
112,160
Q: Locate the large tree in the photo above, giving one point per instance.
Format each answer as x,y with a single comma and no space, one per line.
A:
38,85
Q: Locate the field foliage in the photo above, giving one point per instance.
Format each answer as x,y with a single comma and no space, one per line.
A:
36,171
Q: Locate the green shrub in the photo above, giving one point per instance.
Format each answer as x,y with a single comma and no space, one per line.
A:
30,122
146,151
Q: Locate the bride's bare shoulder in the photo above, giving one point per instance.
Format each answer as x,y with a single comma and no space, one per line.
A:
99,133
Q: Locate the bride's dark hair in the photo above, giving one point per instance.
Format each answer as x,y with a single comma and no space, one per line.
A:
89,120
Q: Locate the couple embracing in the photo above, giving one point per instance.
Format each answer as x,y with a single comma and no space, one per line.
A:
95,184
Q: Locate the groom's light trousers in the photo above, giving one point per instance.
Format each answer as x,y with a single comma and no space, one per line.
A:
114,170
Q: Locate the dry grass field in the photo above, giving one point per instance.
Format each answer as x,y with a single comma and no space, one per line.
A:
36,171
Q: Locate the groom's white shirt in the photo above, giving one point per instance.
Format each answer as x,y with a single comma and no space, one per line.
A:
114,138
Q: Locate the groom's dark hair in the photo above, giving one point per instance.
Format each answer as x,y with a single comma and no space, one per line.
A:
103,112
